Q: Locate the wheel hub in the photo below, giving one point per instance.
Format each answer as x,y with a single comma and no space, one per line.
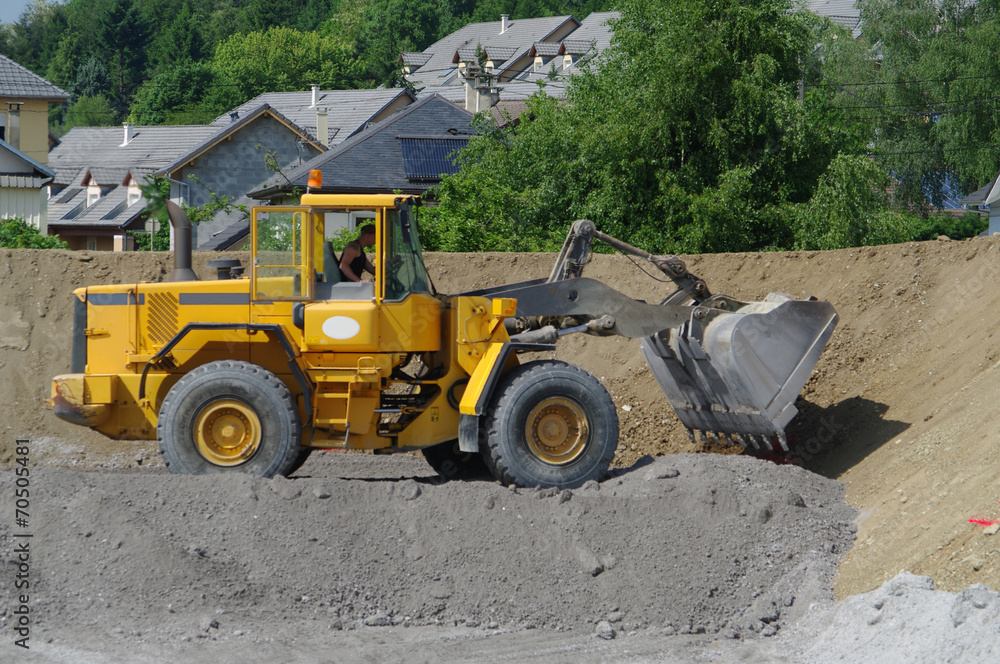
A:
227,432
557,431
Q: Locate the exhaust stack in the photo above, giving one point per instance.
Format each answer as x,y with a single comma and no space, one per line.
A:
182,244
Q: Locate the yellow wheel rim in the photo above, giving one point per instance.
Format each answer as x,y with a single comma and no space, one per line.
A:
227,432
557,431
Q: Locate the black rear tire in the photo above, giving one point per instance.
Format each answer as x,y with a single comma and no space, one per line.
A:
451,463
549,424
229,416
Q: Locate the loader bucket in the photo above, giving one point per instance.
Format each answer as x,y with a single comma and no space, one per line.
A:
740,373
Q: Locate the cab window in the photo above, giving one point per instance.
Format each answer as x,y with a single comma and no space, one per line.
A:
404,268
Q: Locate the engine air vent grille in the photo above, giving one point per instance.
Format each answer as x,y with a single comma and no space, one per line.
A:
161,318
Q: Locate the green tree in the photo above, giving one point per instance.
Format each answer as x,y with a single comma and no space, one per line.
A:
16,233
96,111
92,79
279,60
176,96
850,209
689,136
123,33
180,43
920,82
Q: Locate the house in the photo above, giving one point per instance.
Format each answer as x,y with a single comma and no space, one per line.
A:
346,111
22,186
406,153
96,200
234,159
844,13
24,134
506,60
99,168
984,199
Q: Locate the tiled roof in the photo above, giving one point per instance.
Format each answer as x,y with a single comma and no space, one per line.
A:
500,53
575,46
414,59
222,132
508,112
545,49
106,177
372,161
595,30
227,237
100,147
519,35
19,82
110,211
513,91
348,111
841,12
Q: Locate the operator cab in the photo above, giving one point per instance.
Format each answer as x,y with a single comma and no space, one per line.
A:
293,258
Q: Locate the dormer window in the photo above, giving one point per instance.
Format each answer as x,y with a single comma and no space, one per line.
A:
93,194
134,194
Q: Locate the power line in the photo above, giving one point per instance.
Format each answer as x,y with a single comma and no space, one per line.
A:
912,82
874,104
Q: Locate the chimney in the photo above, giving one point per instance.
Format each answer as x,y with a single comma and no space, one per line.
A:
322,127
13,134
480,89
127,126
315,97
504,22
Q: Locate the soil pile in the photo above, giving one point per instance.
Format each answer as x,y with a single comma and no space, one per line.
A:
689,544
900,406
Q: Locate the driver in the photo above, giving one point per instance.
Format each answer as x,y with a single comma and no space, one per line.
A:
353,262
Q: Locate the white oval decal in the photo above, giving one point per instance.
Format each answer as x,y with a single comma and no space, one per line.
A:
341,327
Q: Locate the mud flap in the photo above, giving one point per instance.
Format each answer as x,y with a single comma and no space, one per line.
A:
740,373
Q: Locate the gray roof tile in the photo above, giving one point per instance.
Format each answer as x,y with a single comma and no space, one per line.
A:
372,160
87,148
348,111
19,82
105,213
545,49
842,12
520,35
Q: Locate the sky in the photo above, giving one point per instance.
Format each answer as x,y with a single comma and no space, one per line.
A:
10,10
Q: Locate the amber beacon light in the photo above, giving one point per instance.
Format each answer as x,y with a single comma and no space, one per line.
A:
315,179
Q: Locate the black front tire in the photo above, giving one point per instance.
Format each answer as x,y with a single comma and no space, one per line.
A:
549,424
229,416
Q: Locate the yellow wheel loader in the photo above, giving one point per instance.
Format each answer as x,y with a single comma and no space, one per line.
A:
251,372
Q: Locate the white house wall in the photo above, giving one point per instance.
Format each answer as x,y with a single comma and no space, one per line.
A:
28,203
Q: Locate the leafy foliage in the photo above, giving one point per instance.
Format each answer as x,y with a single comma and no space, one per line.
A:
278,60
687,137
16,233
94,111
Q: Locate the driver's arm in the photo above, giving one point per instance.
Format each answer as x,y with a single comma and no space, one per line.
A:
369,266
350,253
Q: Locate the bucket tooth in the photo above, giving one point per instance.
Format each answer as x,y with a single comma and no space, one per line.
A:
704,438
783,440
691,435
767,443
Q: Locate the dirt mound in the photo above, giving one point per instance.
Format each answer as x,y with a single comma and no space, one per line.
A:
899,408
688,544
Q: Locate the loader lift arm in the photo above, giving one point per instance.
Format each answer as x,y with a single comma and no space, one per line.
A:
730,369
